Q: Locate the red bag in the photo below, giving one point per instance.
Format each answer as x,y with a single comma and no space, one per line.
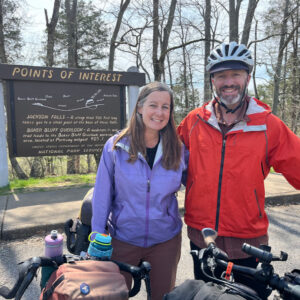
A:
86,279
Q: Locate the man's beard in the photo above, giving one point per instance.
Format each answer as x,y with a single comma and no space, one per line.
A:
230,100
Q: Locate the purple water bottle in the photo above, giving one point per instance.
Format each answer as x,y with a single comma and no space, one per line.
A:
54,244
53,248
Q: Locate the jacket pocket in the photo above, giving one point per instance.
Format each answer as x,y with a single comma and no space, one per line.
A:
257,202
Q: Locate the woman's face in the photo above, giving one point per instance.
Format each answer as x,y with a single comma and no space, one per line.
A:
156,111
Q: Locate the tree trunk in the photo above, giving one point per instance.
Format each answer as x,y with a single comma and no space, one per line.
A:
277,74
234,10
51,32
73,162
71,12
72,62
17,168
3,58
158,63
207,18
156,67
296,79
191,82
89,163
248,21
284,88
254,64
37,168
51,26
113,45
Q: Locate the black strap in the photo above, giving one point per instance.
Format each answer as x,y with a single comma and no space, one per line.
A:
50,291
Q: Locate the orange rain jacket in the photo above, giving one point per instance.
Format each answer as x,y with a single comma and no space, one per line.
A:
225,184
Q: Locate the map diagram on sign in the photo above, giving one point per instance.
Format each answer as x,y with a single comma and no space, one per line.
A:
90,103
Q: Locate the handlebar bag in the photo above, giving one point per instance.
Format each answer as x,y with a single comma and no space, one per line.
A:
87,279
200,290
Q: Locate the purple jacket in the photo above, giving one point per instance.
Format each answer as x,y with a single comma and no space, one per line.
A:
138,204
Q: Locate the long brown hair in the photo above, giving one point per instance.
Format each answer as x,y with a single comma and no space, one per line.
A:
135,130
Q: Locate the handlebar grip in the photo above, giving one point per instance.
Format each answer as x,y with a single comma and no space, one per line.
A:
262,255
10,293
24,279
135,273
293,290
138,273
7,293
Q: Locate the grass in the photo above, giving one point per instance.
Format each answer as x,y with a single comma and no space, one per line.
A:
46,183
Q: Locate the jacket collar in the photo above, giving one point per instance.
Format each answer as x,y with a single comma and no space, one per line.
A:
124,144
256,112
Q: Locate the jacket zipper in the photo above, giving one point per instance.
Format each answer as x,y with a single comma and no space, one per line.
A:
220,183
148,202
147,210
220,174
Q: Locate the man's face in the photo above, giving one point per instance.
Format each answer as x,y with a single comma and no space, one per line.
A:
229,85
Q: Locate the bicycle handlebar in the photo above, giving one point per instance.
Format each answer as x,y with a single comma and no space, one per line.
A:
138,273
264,256
273,280
264,274
27,271
29,268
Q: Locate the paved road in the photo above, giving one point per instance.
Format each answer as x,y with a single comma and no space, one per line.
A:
284,235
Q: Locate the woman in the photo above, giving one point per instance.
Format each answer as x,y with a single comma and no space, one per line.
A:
139,173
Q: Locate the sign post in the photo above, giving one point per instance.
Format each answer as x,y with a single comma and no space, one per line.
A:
133,91
3,152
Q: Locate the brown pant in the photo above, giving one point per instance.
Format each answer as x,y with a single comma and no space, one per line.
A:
163,257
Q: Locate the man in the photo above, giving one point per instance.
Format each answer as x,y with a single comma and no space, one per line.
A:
233,142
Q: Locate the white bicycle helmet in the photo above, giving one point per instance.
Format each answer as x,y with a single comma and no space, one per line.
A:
230,56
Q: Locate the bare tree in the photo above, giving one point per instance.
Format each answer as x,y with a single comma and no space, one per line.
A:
37,166
71,13
234,14
113,41
234,11
2,41
159,59
282,45
254,64
51,32
248,21
73,162
296,75
207,29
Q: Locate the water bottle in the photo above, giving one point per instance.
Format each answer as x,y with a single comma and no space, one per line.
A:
53,244
100,246
53,248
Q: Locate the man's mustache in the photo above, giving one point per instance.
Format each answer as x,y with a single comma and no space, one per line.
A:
230,87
